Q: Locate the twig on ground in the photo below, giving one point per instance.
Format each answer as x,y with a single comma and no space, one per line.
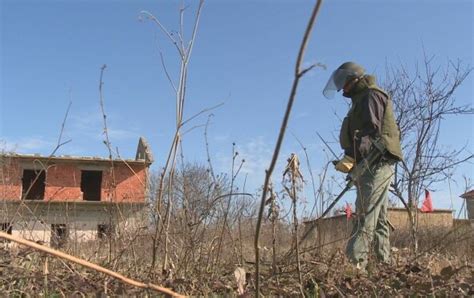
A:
89,265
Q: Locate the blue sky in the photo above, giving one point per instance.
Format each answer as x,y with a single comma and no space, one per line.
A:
244,56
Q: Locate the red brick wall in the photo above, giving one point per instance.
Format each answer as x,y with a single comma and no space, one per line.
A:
63,182
10,179
130,185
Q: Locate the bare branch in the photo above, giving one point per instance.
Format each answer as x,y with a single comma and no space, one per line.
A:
166,72
202,112
150,16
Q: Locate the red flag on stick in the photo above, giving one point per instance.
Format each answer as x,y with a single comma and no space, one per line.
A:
348,210
427,203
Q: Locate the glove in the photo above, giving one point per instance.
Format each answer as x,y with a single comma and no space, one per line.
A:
345,164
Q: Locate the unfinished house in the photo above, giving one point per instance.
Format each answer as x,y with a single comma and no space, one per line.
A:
57,199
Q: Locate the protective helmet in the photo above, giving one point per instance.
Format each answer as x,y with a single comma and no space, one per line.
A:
339,77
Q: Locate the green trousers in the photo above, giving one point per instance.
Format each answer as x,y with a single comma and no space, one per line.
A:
370,223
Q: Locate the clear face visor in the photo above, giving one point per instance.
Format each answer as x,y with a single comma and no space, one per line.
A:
337,81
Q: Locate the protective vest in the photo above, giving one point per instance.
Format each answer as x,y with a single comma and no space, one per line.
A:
390,133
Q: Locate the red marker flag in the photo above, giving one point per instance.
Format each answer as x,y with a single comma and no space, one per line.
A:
427,203
348,210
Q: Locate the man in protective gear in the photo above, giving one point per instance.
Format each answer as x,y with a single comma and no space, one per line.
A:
370,119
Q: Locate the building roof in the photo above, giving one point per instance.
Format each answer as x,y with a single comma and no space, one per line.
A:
74,159
468,195
143,156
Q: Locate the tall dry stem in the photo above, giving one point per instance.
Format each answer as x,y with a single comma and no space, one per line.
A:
292,180
299,72
184,51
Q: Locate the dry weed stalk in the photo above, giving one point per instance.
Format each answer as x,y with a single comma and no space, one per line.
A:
107,143
310,170
292,181
184,52
299,72
225,224
273,216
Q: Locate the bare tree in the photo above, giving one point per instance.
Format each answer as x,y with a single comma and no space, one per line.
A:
423,101
196,195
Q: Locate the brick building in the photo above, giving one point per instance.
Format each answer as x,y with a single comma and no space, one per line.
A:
60,198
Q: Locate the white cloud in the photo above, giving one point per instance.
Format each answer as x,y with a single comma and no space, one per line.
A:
122,134
33,144
257,153
91,126
221,138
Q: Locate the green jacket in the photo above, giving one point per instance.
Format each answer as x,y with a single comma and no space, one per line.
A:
370,117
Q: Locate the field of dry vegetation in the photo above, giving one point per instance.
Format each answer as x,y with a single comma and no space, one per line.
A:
203,234
199,265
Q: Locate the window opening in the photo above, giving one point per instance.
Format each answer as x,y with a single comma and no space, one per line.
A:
104,231
33,183
59,235
6,227
91,182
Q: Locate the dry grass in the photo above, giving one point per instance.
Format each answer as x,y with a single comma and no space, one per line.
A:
445,268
